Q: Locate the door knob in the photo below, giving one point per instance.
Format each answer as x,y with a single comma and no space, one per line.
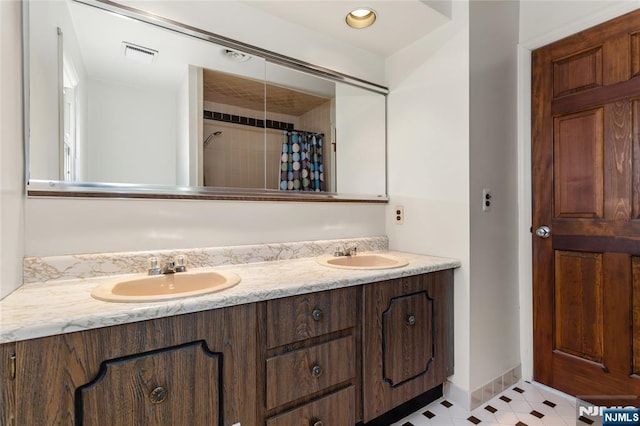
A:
543,232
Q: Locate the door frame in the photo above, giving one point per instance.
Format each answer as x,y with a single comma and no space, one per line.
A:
525,267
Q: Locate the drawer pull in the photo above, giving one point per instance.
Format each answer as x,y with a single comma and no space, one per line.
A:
316,423
158,395
317,314
316,371
411,320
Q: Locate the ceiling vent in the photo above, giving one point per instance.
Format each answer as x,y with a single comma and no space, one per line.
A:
139,53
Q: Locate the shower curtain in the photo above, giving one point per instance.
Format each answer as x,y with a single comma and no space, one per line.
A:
301,166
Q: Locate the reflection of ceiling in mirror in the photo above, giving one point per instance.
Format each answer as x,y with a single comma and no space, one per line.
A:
100,35
247,93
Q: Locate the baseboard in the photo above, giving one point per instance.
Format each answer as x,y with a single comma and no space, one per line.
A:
407,408
495,386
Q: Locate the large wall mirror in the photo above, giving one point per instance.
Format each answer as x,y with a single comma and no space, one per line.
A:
124,102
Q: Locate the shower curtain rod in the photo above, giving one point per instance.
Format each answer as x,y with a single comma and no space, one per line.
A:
253,122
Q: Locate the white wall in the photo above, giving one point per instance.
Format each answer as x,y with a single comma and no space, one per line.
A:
541,23
428,154
11,148
555,19
494,316
132,134
61,226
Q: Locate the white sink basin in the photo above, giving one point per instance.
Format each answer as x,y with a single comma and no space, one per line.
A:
166,287
364,261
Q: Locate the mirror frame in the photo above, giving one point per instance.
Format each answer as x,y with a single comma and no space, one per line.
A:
52,188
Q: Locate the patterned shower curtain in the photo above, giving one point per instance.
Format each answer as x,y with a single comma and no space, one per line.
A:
301,166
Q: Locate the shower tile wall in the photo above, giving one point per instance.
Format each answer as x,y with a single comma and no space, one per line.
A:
236,157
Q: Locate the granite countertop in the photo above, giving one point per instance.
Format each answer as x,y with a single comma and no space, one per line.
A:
50,308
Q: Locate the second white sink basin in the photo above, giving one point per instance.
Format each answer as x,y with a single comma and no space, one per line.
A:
166,287
364,261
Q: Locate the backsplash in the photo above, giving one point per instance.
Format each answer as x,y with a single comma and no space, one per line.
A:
57,268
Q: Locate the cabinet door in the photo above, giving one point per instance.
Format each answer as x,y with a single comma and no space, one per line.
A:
50,370
7,383
408,339
172,386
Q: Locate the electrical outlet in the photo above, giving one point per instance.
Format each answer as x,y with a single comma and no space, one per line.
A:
487,199
399,214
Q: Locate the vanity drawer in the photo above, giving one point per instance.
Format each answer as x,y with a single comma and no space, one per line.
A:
337,409
309,315
296,374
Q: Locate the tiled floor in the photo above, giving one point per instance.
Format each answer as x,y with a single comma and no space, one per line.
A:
524,404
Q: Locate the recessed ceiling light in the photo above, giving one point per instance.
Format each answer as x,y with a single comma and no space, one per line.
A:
361,18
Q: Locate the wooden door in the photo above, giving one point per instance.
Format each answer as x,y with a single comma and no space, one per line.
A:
586,188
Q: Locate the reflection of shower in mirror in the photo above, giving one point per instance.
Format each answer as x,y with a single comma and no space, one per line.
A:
211,136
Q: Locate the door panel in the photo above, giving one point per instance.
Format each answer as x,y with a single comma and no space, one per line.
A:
635,54
618,158
635,142
635,297
586,184
580,71
578,295
578,164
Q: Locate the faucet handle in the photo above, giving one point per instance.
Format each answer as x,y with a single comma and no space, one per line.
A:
154,266
179,263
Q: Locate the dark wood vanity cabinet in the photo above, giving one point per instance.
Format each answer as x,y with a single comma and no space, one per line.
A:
189,369
330,358
7,384
312,359
408,339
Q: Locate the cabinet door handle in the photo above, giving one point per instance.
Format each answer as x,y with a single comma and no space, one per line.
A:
411,320
12,366
317,423
158,395
316,371
317,314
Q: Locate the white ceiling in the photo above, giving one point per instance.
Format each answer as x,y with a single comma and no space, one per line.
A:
399,22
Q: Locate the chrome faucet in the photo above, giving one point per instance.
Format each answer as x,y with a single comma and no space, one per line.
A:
172,266
169,268
346,251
